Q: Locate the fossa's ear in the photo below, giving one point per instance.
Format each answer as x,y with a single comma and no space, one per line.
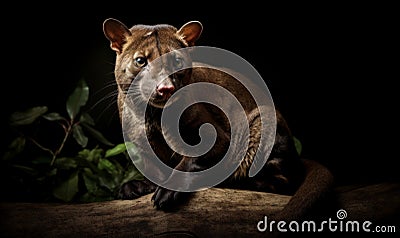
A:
116,32
190,32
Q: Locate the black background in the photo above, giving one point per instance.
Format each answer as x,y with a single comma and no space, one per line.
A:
330,69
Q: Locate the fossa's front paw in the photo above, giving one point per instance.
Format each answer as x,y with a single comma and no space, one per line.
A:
165,199
135,188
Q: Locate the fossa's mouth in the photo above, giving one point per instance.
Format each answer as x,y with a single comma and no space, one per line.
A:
161,101
163,93
157,104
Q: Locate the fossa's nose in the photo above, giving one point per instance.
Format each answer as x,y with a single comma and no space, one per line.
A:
165,89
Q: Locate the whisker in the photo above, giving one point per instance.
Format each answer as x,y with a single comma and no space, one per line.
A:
112,63
111,95
110,73
106,87
105,109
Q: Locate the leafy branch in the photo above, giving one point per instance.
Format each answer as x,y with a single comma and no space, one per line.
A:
75,102
87,175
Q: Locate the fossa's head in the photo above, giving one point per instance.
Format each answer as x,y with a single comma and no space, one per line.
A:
138,46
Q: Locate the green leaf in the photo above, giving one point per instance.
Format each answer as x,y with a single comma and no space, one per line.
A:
87,119
79,136
18,144
89,173
67,190
28,116
118,149
93,186
77,99
118,167
84,154
107,165
90,180
132,174
108,182
97,134
47,175
53,116
134,154
65,163
41,160
26,169
52,172
15,147
298,145
91,155
132,150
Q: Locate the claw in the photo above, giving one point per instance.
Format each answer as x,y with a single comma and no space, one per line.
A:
134,189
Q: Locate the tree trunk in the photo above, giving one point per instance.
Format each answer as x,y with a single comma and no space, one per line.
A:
210,213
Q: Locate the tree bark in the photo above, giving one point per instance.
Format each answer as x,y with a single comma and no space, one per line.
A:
210,213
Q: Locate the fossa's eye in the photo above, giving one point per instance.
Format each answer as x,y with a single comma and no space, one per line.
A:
178,63
140,61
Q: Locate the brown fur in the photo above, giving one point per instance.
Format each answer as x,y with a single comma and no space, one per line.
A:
284,172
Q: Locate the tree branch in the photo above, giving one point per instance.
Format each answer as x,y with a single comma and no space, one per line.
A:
210,213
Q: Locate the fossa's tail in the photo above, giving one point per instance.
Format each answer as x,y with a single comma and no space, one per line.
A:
316,188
